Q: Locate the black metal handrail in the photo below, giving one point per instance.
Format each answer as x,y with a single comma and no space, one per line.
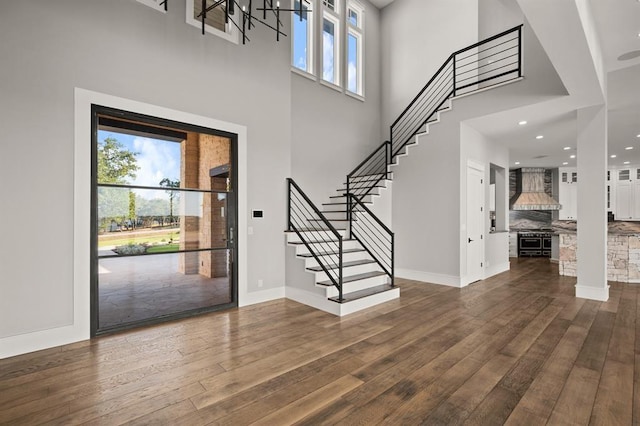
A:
494,60
376,237
327,245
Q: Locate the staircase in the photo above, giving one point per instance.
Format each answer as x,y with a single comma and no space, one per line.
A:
347,248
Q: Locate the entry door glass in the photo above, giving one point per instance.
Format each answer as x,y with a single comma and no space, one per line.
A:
164,219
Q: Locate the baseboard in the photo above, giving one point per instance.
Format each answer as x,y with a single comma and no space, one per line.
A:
593,293
496,269
429,277
39,340
312,299
262,296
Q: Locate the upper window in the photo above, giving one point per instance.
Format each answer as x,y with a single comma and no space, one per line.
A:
302,40
330,4
355,37
214,22
331,42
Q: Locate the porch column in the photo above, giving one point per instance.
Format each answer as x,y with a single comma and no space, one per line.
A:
592,206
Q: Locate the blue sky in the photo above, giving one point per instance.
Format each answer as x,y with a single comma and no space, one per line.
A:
156,158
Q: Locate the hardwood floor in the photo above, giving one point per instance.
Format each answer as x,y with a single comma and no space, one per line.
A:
515,349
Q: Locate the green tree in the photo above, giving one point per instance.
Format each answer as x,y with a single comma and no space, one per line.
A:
168,183
115,163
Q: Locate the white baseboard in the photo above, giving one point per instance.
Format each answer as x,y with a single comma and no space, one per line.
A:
429,277
594,293
39,340
262,296
496,269
312,299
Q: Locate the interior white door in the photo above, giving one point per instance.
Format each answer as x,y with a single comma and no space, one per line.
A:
475,222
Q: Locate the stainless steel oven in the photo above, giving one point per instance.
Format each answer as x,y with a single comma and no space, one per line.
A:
534,244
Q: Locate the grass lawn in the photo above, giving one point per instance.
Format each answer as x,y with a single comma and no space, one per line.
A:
165,248
136,239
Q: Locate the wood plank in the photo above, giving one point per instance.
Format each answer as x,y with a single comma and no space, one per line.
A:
517,348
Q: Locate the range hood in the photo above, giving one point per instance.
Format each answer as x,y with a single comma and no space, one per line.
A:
530,193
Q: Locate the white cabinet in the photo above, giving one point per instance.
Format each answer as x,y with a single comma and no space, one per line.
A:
568,194
627,194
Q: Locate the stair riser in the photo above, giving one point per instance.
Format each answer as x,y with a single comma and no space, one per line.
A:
353,270
367,302
336,215
302,249
292,237
357,285
343,199
311,262
368,178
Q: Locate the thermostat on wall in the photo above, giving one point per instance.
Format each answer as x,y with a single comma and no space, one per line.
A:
257,214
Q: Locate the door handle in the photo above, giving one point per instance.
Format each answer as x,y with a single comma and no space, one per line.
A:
470,240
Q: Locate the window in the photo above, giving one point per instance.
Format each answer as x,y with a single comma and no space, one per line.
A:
355,36
330,42
302,40
214,21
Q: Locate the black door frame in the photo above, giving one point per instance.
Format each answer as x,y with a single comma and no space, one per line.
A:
232,223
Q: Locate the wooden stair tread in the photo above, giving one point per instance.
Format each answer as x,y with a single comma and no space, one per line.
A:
356,277
331,253
344,265
350,297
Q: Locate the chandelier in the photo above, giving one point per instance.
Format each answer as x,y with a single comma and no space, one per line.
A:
245,20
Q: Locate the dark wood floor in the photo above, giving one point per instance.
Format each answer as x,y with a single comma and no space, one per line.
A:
517,349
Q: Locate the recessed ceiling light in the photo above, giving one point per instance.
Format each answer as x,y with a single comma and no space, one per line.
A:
517,163
638,136
572,156
539,137
567,148
522,123
565,163
628,148
613,156
626,162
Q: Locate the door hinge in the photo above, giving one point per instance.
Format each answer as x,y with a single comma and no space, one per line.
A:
481,236
481,180
481,209
481,264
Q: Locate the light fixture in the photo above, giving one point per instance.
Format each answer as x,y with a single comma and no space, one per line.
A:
572,156
523,122
638,136
628,148
565,163
270,15
613,156
539,137
567,148
517,163
626,162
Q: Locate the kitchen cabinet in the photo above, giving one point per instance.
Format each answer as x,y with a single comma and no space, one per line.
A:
568,194
627,194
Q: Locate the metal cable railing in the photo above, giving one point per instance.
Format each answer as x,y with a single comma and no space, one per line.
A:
315,231
376,238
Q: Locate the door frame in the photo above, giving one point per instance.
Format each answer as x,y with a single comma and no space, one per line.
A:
232,214
479,168
79,325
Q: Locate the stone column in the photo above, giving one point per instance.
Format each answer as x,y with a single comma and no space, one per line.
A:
592,207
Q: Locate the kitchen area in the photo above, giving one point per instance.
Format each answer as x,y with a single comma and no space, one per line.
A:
543,219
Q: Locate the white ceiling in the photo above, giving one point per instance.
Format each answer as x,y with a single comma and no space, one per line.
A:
617,23
380,3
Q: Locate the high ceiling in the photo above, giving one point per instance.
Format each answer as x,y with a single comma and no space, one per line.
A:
380,3
617,23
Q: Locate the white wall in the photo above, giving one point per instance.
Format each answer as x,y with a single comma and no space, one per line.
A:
477,148
418,37
331,132
127,50
495,16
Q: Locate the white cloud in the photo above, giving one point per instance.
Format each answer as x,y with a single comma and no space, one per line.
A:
353,77
327,57
157,160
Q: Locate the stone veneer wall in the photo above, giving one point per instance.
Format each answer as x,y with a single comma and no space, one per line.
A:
623,257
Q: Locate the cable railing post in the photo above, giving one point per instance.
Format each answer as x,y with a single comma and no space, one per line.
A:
289,204
350,213
454,74
340,268
519,51
387,160
393,281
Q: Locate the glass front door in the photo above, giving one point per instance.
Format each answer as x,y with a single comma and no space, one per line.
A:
164,215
